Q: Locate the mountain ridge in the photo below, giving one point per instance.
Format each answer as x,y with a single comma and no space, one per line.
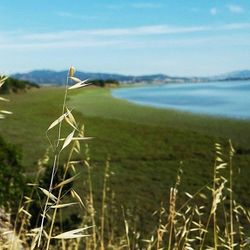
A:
58,77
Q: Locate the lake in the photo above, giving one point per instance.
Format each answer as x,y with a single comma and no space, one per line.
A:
228,99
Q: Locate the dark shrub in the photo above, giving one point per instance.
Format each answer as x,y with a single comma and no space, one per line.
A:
12,182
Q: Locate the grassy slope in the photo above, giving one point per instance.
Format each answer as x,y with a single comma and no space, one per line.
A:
151,142
33,112
99,103
145,144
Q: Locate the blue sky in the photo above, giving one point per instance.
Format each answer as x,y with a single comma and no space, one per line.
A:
181,37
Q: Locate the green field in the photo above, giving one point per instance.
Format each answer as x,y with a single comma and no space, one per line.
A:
145,145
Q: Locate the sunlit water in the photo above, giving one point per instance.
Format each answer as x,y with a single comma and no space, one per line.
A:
228,99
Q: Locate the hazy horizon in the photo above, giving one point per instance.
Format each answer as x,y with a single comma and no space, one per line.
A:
118,73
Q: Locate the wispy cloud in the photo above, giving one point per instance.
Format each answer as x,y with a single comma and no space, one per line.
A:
135,31
64,14
126,43
135,5
236,26
70,15
114,6
236,9
213,11
62,44
120,38
146,5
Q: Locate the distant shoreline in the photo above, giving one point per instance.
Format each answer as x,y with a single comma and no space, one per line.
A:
146,95
58,77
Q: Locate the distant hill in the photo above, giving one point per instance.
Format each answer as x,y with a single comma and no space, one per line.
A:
59,77
12,85
237,75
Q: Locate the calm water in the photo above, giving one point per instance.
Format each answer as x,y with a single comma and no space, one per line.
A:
229,99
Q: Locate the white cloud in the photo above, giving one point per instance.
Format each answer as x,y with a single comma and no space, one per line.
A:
236,9
214,11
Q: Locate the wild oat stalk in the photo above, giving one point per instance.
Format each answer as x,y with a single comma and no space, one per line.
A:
217,189
53,202
231,154
104,205
91,209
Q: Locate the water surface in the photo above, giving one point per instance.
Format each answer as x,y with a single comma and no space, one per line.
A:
227,99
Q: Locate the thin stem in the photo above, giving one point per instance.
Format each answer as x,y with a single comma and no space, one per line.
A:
104,205
210,215
91,201
63,109
59,196
172,213
170,235
231,196
126,229
24,220
47,201
15,225
55,164
205,232
215,232
214,214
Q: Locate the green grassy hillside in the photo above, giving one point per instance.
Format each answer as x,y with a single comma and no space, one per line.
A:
146,146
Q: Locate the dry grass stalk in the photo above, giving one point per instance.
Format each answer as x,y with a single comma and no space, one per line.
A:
56,201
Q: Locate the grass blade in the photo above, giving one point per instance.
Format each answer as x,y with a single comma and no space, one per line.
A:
80,84
77,196
67,181
48,194
72,234
4,99
57,121
6,112
64,205
68,140
75,79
